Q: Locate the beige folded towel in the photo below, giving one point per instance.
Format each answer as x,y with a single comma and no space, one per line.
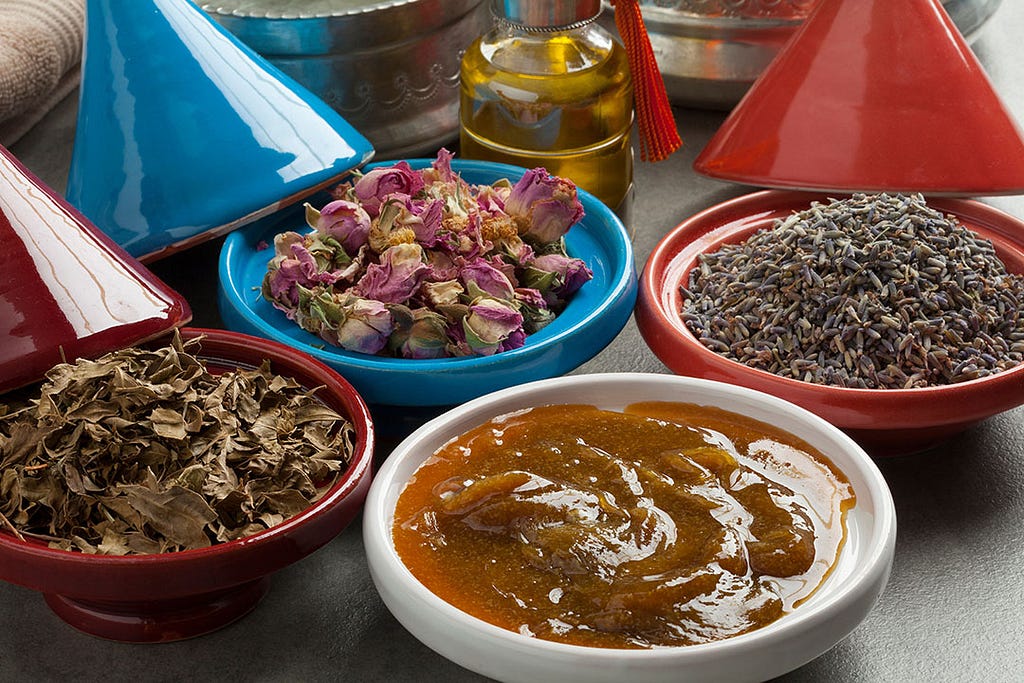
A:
40,52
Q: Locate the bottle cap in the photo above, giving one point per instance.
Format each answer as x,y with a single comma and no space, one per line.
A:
546,13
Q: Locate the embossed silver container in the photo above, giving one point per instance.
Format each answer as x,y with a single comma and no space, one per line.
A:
711,51
390,67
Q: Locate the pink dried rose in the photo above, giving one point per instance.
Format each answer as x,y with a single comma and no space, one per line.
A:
421,264
343,220
353,323
489,324
294,265
487,279
543,206
534,307
557,275
419,333
442,265
491,198
367,326
441,182
514,340
517,252
402,219
440,170
430,221
397,277
375,186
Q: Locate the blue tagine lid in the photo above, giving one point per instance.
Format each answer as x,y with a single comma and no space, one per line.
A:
184,133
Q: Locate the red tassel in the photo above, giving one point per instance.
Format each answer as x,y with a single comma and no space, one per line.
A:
658,135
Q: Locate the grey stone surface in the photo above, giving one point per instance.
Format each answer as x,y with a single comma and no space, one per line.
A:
951,612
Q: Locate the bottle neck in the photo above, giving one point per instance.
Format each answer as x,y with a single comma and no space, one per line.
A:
545,15
508,24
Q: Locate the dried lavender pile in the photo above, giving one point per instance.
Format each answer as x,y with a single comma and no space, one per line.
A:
874,291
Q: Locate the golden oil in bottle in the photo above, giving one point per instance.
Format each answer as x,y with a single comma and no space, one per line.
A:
547,86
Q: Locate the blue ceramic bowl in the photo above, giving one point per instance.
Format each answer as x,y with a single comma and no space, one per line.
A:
594,316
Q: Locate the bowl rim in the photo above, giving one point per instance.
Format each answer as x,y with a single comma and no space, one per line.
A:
654,318
874,566
621,287
350,480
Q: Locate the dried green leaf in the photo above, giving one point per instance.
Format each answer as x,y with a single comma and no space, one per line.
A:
145,451
168,423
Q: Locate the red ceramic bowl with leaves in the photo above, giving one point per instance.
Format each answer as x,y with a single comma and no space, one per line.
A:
174,595
884,421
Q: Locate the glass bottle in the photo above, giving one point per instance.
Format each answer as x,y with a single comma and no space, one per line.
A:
547,86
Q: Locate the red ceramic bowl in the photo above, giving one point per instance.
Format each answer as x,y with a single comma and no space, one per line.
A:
883,421
171,596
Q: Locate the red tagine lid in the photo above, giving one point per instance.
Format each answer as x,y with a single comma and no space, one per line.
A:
66,290
872,95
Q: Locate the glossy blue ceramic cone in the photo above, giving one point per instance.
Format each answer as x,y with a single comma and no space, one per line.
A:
184,133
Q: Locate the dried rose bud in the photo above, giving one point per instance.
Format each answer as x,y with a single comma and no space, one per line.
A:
489,324
293,265
375,186
397,277
396,224
487,279
367,327
353,323
491,198
514,340
557,275
419,333
535,309
441,168
441,182
429,222
544,206
443,293
280,285
519,252
283,273
343,220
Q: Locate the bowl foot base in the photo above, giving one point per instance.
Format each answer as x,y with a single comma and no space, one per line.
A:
887,443
159,621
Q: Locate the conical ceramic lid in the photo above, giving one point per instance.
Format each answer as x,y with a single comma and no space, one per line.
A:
872,95
66,290
184,133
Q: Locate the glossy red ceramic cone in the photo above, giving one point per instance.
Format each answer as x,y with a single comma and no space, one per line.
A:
872,95
66,290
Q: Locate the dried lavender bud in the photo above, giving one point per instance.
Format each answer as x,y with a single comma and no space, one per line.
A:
145,451
874,291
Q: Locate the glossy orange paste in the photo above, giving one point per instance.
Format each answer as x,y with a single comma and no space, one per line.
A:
668,524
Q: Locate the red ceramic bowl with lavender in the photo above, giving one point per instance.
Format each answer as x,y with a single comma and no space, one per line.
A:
883,421
171,596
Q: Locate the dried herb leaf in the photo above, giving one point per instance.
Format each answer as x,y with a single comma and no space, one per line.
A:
145,451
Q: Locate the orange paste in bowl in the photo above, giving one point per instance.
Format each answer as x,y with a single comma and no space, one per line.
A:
666,524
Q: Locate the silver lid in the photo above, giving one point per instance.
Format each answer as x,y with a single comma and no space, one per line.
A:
547,13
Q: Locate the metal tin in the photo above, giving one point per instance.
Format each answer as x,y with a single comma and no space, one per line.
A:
711,51
390,67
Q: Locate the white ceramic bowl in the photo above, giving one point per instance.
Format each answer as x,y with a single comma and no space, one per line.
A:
820,622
